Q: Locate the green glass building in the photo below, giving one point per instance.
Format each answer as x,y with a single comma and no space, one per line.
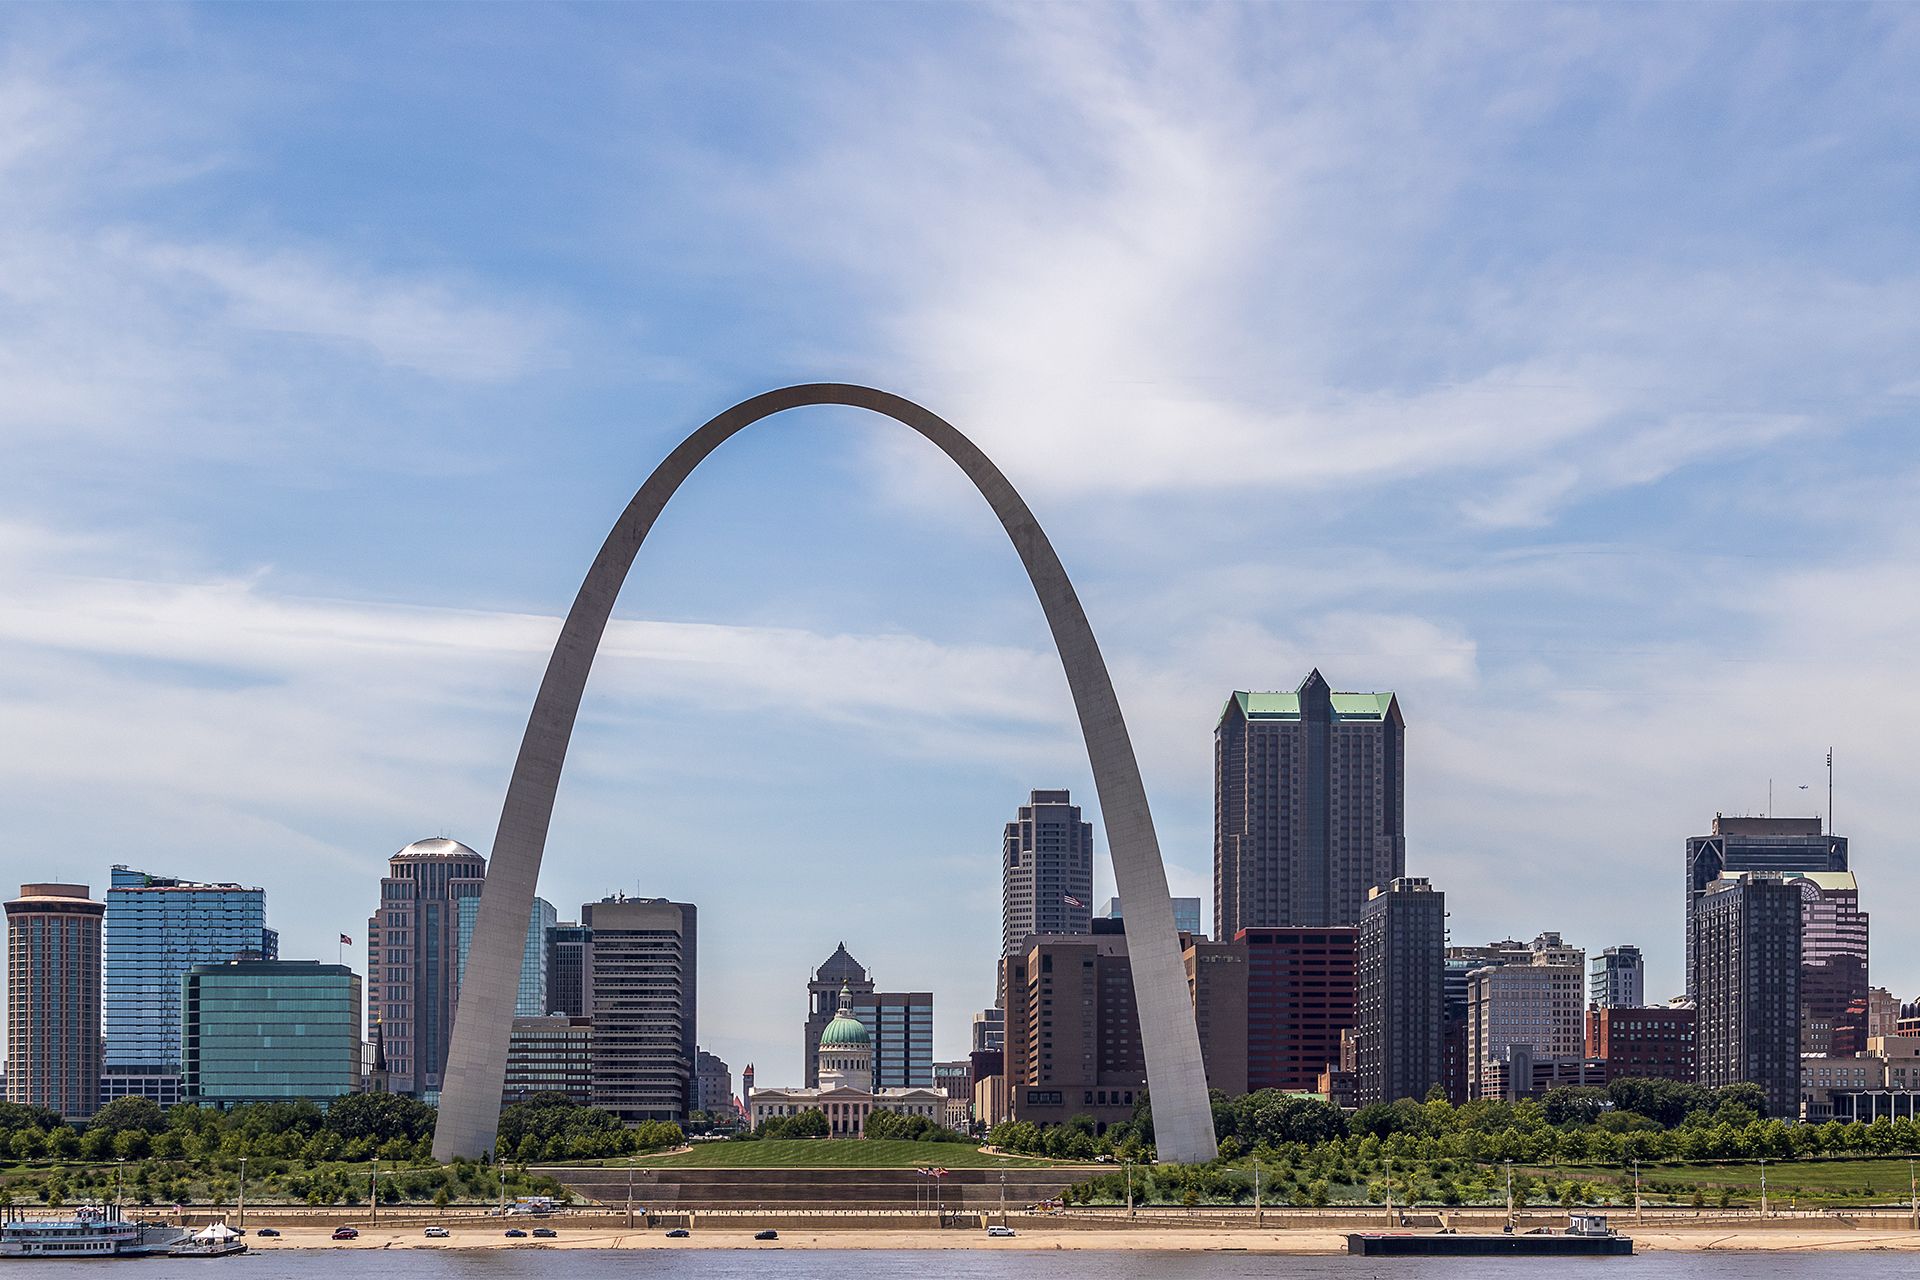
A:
270,1031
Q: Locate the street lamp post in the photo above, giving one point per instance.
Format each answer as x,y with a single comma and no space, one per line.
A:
1129,1168
1636,1190
1763,1186
243,1192
1913,1192
1509,1165
1259,1215
373,1190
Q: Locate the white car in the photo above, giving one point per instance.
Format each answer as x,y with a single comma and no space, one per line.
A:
999,1231
438,1233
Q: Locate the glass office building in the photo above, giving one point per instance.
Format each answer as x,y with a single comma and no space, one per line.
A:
270,1031
156,929
531,1002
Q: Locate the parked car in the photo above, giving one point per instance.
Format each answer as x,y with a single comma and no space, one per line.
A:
345,1233
438,1233
516,1233
999,1231
678,1233
768,1234
267,1231
545,1233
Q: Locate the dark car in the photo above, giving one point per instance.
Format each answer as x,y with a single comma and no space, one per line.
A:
267,1231
343,1233
515,1233
545,1233
678,1233
768,1234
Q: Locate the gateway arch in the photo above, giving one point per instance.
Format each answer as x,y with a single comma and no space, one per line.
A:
477,1059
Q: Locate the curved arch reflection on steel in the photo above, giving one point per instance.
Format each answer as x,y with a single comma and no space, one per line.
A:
477,1061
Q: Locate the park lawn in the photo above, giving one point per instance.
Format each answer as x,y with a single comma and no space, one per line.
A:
1860,1180
839,1153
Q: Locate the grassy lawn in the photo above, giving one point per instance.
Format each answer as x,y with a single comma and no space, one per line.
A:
1857,1181
804,1153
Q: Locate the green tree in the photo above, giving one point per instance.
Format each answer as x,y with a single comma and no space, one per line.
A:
141,1115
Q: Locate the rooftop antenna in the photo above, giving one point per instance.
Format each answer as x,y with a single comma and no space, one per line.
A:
1829,791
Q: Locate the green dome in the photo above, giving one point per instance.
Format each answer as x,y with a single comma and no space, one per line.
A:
844,1032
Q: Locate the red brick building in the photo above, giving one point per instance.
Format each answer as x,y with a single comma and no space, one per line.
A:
1301,985
1644,1044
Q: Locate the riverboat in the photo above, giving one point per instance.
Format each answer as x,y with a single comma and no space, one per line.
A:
92,1232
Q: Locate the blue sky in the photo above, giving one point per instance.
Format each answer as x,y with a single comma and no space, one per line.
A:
1556,367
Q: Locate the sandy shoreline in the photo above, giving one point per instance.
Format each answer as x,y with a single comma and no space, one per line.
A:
1656,1240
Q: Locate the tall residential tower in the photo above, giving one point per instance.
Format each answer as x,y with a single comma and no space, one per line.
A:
1046,871
1308,806
413,957
53,999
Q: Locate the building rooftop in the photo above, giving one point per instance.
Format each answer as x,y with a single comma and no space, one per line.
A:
436,847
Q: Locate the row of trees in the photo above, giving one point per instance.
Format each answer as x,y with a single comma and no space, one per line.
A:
1645,1120
296,1150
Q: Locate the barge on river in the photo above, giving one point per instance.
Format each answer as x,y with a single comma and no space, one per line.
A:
1586,1236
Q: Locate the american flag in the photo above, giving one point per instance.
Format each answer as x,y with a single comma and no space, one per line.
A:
345,941
1071,901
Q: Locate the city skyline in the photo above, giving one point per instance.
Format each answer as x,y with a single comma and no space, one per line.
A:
1613,488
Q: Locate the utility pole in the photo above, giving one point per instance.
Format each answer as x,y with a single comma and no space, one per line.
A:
1509,1165
1003,1197
1636,1190
629,1197
373,1190
502,1167
243,1191
1389,1190
1129,1165
1763,1186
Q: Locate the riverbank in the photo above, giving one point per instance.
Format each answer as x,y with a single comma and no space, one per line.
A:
1173,1240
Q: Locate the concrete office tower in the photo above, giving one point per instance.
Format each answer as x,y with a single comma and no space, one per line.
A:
1301,988
1617,979
568,946
823,1000
413,957
990,1030
1186,915
1746,973
1883,1012
1833,954
1403,938
550,1054
157,928
1073,1030
1538,1007
270,1031
1755,844
1046,871
1308,806
53,999
713,1085
643,980
531,1000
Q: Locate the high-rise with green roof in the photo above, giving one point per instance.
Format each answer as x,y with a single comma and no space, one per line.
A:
1309,806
